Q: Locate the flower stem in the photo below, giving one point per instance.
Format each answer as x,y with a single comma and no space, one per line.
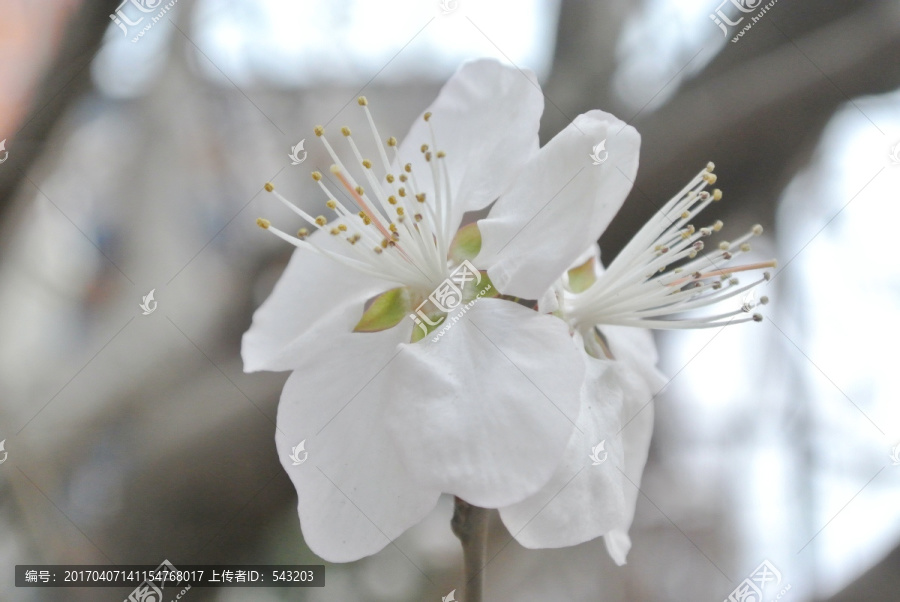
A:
469,524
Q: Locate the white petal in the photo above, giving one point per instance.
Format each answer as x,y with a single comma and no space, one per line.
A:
486,120
486,411
618,544
636,373
560,205
313,293
582,500
354,493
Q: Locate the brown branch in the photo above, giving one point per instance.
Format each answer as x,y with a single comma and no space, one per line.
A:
67,76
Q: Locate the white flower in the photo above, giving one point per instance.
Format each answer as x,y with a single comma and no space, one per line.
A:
485,413
583,501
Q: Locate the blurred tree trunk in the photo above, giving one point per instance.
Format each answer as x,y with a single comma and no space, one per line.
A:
65,79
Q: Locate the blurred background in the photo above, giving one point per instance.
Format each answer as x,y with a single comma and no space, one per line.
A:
136,159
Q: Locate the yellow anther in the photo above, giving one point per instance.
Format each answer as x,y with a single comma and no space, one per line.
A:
710,166
724,245
389,178
366,220
718,225
392,228
335,231
418,217
302,233
269,187
345,130
441,154
710,178
427,115
757,230
400,211
392,200
403,177
378,250
717,195
408,168
319,130
420,197
331,204
367,164
321,221
428,156
745,248
401,191
423,148
384,243
685,215
359,190
317,176
342,227
392,141
362,100
263,223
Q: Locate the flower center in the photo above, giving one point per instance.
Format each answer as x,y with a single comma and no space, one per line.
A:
639,289
393,228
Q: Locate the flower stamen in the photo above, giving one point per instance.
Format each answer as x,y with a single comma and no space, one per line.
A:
403,241
640,289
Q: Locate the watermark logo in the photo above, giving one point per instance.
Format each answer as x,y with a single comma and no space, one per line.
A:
721,15
296,159
150,590
142,8
765,577
721,19
749,301
451,597
447,7
600,148
599,454
295,456
894,154
3,449
147,303
895,454
5,152
450,296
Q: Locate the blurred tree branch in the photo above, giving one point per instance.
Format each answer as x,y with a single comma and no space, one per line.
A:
67,76
880,583
761,104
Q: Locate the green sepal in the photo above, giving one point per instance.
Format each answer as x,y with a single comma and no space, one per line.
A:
385,311
490,291
582,277
417,334
466,244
